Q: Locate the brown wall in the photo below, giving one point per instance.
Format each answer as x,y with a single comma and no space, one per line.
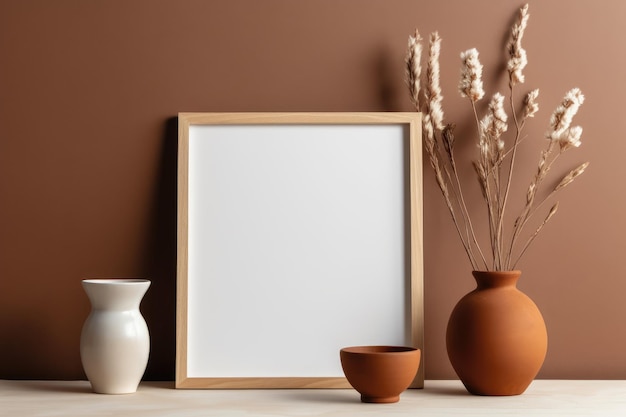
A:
89,92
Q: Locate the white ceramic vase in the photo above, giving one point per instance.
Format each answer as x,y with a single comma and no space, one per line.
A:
115,343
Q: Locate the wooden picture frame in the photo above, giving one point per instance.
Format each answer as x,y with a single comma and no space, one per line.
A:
298,234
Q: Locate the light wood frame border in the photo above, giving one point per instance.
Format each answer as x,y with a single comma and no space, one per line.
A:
416,331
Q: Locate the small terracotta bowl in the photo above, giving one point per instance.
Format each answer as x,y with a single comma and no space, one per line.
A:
380,373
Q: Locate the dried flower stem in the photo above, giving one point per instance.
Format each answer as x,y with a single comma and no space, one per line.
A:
434,158
468,221
518,131
559,134
534,235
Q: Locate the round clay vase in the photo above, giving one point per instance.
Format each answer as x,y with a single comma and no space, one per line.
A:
496,336
380,373
115,343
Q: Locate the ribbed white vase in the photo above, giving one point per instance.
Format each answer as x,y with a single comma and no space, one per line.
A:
115,343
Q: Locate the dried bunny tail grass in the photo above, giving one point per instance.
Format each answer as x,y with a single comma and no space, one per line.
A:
542,170
432,90
573,174
496,108
413,67
517,54
493,125
530,104
562,116
430,144
570,138
447,137
429,134
471,84
482,178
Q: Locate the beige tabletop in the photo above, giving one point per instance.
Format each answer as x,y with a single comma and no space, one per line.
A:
439,398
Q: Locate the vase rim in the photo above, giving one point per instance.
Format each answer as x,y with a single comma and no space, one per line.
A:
116,281
379,350
512,271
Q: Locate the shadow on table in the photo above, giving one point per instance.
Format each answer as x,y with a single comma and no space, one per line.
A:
350,396
81,387
84,387
325,396
158,384
448,391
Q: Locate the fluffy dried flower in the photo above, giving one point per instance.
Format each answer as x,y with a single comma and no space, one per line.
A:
498,120
517,54
492,126
471,84
570,138
427,128
561,119
530,104
432,90
413,68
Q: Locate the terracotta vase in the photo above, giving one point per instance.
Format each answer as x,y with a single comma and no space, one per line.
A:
496,337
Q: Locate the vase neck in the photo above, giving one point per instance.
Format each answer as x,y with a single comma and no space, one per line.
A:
496,279
115,295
